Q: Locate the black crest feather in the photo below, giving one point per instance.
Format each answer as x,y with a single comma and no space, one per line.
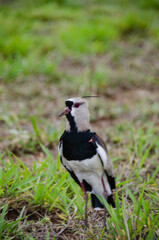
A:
90,96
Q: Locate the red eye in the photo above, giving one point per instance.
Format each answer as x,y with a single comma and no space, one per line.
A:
76,105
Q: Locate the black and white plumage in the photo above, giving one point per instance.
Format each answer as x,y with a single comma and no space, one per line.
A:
85,156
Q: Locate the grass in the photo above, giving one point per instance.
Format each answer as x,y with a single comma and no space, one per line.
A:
48,191
47,30
49,51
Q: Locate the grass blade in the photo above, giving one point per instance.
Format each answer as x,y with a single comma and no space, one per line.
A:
2,221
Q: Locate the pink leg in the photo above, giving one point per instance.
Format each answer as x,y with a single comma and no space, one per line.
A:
105,194
86,200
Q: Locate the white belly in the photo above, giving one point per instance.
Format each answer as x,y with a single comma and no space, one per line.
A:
92,171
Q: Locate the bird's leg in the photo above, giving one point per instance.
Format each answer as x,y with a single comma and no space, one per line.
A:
105,191
105,195
86,200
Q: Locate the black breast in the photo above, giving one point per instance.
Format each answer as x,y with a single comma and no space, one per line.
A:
76,145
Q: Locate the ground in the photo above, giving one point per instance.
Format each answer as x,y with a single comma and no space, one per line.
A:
51,51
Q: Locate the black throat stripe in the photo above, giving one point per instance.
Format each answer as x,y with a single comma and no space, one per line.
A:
70,118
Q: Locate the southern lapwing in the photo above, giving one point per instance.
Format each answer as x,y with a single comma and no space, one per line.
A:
85,156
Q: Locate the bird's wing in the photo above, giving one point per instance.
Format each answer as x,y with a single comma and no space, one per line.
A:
72,174
102,152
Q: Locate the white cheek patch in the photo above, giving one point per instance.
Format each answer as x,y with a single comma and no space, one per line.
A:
103,155
73,111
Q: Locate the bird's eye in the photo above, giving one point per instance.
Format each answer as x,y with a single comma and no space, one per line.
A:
76,105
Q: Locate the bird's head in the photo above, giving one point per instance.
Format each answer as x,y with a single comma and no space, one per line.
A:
77,114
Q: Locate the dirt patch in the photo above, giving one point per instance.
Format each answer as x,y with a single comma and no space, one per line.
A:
38,221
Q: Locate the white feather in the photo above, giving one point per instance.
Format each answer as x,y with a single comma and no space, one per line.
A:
103,155
98,208
92,171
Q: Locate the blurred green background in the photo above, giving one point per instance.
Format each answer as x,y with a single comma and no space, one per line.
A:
108,42
51,50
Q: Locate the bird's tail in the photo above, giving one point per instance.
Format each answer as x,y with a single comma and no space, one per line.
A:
96,203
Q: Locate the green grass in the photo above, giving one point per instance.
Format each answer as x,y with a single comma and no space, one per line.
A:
52,32
47,186
49,51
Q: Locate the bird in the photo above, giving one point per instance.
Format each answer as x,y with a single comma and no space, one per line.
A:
85,156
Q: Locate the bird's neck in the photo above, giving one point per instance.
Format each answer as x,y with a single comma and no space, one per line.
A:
74,125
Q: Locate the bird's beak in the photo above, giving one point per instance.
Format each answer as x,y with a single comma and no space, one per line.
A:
64,112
